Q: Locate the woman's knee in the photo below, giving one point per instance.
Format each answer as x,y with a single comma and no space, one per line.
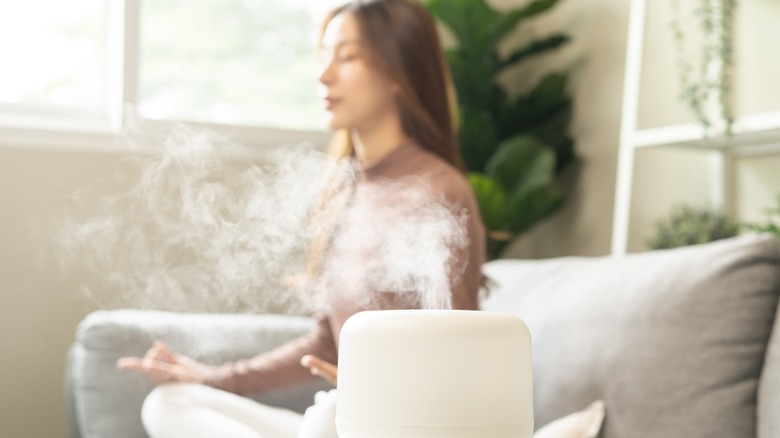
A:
164,403
319,421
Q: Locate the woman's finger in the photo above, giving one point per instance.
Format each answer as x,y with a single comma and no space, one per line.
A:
138,364
151,353
125,363
164,353
321,368
160,371
161,352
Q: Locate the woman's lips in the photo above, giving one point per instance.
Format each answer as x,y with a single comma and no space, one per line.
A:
331,102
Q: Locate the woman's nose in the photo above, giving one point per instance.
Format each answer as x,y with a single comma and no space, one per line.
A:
326,70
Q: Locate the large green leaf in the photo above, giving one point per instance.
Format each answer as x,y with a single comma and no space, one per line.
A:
544,101
522,163
535,47
527,206
553,133
477,138
473,76
471,21
491,198
513,18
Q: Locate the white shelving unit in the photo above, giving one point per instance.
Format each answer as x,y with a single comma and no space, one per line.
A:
752,135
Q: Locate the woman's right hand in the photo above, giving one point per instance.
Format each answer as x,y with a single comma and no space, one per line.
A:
321,368
162,364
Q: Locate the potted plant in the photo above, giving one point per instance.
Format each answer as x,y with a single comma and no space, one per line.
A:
772,222
513,147
691,225
705,71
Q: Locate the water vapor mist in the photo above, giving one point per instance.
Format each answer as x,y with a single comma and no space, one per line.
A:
397,238
193,222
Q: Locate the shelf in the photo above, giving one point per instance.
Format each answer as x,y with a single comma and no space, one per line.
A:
753,135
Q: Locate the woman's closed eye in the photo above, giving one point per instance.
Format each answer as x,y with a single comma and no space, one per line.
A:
347,56
341,57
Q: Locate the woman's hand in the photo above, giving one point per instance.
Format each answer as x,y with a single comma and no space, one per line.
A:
162,364
321,368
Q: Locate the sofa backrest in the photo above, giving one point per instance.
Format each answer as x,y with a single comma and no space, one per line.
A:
674,341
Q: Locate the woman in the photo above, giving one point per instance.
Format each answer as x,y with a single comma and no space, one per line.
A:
387,90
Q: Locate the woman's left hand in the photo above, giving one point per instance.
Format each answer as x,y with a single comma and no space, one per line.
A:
162,365
321,368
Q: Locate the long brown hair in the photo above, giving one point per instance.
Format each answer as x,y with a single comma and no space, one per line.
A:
404,46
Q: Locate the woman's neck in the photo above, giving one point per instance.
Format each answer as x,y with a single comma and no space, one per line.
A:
374,143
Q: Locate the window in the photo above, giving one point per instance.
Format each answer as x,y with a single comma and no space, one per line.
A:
53,56
246,63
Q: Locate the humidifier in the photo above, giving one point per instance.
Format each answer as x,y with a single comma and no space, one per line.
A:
434,374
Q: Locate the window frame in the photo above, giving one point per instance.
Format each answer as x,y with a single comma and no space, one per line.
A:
46,127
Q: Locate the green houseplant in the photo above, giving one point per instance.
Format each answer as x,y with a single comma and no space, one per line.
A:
691,225
772,223
705,71
513,148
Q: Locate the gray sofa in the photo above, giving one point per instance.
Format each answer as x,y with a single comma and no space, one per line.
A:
678,343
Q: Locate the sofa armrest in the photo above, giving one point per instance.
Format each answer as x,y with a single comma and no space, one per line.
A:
107,402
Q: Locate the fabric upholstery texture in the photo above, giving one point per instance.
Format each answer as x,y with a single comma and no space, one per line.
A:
673,341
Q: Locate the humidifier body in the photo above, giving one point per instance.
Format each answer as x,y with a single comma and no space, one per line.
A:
434,374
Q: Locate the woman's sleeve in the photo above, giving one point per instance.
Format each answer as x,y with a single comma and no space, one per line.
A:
278,367
466,274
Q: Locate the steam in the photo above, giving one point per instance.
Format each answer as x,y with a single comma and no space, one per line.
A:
399,243
193,222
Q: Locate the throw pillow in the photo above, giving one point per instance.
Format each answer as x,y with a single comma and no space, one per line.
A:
583,424
673,340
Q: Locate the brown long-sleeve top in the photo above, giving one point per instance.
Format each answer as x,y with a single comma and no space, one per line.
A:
358,254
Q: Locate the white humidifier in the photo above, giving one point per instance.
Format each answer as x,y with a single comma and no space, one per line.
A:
434,374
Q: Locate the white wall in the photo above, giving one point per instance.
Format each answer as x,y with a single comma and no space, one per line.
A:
758,88
40,308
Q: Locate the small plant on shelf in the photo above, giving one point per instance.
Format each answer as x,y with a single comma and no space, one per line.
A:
691,225
705,72
772,224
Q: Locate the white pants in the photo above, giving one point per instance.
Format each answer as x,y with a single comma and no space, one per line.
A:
174,410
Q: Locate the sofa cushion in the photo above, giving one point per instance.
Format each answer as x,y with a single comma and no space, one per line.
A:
672,340
583,424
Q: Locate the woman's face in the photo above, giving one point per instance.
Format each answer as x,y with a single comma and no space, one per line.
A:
356,95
